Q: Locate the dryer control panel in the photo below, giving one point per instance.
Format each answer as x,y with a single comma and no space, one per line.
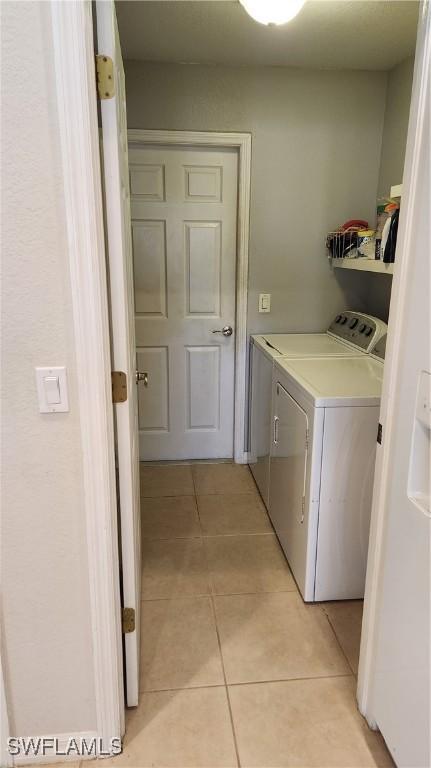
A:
360,330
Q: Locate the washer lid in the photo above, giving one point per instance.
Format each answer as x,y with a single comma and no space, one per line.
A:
304,345
336,381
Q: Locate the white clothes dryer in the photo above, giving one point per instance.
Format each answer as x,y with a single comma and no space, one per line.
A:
324,429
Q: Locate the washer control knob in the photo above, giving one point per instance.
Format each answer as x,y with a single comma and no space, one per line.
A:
338,318
368,332
343,319
353,323
362,328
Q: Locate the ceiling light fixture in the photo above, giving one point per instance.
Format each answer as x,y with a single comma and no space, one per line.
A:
272,11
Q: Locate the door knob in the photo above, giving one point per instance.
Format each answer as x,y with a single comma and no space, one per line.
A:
142,376
226,331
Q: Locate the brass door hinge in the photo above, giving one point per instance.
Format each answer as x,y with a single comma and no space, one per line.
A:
119,386
128,620
379,434
105,77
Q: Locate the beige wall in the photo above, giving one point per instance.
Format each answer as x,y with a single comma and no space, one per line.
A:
47,650
316,156
395,126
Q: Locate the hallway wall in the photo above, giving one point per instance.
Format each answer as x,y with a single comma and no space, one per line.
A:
315,161
400,80
45,610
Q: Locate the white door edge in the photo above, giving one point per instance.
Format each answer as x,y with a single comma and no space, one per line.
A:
122,323
241,142
72,27
388,416
5,757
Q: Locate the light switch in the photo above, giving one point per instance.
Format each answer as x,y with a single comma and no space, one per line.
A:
264,302
52,389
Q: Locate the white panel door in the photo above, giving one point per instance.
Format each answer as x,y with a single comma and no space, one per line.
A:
120,267
184,215
400,701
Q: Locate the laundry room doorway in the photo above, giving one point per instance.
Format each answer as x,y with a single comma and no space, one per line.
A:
189,212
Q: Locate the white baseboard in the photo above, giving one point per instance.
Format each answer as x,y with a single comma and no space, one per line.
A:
63,740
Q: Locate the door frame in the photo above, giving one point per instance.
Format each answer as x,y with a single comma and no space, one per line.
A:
242,143
74,67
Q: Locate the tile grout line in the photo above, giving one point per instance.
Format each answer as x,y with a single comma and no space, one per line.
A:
184,462
212,593
197,508
338,642
225,683
207,535
246,682
184,688
208,493
211,596
194,484
168,496
247,534
346,675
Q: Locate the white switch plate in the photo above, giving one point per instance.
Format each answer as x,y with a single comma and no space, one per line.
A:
264,302
52,385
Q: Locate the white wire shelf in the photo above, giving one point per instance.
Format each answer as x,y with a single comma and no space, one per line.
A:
364,265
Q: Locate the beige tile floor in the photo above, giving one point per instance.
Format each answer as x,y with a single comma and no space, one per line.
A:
235,669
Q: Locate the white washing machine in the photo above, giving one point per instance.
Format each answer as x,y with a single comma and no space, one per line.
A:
325,419
350,333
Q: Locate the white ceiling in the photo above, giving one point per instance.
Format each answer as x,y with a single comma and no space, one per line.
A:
341,34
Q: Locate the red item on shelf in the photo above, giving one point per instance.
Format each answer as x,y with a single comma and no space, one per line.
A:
354,224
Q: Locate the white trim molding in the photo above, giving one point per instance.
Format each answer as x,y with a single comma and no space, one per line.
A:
241,142
72,28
